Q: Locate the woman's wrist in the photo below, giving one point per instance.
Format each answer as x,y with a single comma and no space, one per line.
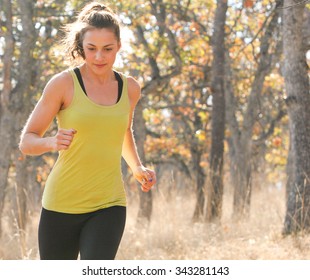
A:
137,167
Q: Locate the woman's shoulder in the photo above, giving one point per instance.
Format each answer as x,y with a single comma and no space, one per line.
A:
59,88
134,88
61,79
60,83
131,81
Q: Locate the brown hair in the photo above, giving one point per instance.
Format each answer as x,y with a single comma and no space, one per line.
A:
93,16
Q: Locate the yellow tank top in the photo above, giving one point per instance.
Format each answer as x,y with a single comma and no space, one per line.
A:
87,177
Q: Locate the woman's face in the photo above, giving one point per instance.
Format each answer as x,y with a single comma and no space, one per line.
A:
100,48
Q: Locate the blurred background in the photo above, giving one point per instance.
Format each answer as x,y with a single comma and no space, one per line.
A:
223,119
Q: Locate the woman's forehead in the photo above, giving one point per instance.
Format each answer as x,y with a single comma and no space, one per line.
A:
100,37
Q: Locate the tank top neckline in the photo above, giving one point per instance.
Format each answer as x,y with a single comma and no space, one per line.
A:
84,95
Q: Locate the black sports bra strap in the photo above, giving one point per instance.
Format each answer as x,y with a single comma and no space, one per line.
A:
117,76
120,85
79,76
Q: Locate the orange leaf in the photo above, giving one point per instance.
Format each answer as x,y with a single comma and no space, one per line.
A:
248,3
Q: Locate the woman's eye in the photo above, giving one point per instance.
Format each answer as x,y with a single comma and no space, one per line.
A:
91,49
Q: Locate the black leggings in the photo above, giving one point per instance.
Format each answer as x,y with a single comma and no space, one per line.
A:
95,236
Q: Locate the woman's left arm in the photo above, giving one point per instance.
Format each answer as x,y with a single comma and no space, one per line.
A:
145,176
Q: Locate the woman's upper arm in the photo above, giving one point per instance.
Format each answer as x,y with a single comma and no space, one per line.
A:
49,105
134,92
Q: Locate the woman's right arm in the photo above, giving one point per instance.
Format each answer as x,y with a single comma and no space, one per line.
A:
54,96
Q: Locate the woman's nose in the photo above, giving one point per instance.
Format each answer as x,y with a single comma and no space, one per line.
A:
99,55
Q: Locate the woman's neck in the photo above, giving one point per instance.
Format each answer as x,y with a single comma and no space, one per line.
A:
90,75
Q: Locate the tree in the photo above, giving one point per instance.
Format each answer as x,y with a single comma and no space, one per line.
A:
215,186
298,101
185,97
15,96
5,127
27,29
241,128
154,41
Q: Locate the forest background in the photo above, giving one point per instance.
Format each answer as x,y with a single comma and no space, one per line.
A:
223,119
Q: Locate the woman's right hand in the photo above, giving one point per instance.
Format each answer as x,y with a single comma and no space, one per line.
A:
63,139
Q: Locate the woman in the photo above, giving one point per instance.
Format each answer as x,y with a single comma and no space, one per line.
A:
84,203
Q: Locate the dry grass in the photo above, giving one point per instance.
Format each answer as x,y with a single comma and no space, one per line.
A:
171,235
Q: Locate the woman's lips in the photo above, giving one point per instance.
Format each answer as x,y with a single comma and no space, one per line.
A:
100,65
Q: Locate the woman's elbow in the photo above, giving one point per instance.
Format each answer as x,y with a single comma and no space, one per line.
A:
23,147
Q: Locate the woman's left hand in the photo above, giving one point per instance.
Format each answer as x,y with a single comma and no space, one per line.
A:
146,177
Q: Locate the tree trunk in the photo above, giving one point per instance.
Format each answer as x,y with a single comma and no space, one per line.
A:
158,81
241,177
20,203
21,106
15,102
5,114
298,104
5,158
242,136
146,201
215,187
200,190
